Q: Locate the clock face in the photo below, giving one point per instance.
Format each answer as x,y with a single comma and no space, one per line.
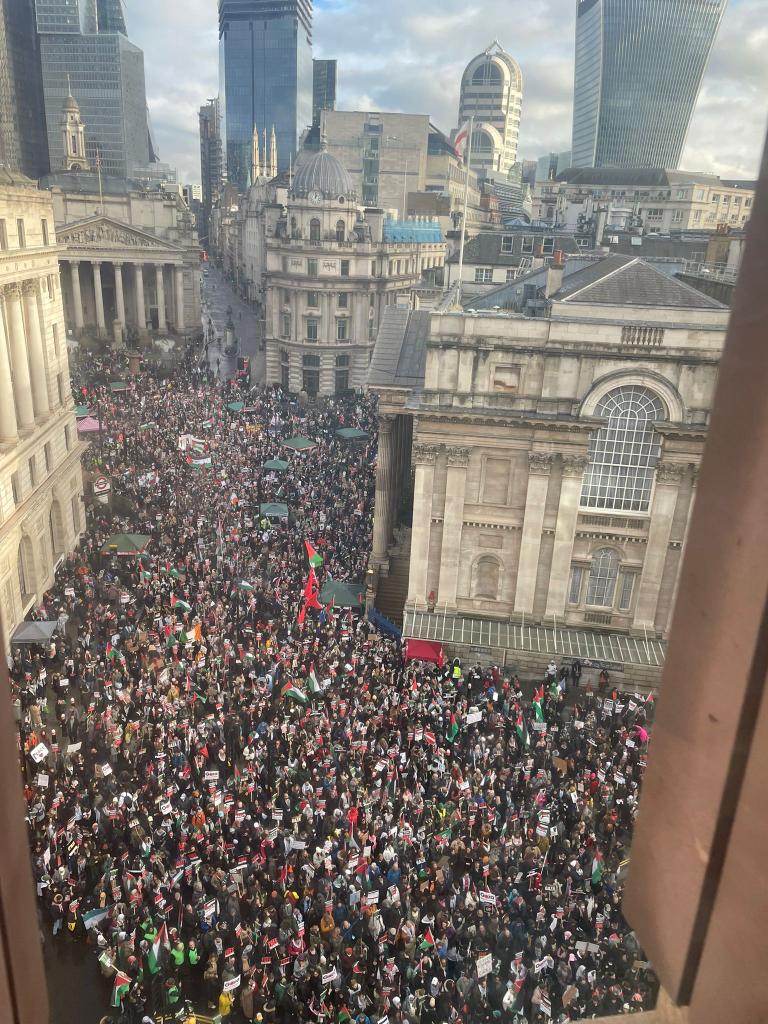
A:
315,196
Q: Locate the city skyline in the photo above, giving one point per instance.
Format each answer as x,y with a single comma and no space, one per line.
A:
414,62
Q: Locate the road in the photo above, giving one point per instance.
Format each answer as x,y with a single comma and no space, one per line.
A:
217,296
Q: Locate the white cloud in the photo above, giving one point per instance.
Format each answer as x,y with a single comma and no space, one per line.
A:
396,55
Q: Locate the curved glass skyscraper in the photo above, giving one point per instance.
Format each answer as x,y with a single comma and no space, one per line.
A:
265,77
639,65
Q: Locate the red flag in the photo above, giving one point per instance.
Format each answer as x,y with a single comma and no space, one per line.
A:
300,616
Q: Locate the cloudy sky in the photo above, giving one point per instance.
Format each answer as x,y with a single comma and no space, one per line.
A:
405,56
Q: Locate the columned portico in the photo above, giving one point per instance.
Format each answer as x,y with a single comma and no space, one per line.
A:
99,299
8,426
178,283
141,310
385,496
423,457
77,295
539,468
453,522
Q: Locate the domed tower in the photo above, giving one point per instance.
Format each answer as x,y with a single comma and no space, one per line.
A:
323,178
73,131
492,93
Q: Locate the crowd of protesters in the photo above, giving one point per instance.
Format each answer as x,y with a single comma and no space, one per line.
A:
242,796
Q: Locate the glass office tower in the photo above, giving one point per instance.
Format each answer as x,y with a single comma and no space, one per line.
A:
23,142
265,77
106,75
323,88
639,65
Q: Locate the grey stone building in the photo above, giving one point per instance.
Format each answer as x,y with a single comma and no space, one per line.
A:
552,465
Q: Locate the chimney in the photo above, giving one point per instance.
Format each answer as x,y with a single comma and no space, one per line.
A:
554,275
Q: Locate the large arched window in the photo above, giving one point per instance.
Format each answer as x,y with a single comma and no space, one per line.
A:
488,73
485,578
603,574
623,453
482,143
314,230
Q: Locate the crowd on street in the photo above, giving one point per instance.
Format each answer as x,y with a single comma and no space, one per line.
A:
242,797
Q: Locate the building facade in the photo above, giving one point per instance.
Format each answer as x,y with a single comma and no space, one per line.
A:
23,140
331,270
41,511
554,458
96,63
323,87
639,66
646,200
211,163
265,77
130,261
492,93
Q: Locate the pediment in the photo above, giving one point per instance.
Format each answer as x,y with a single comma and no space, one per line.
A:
105,233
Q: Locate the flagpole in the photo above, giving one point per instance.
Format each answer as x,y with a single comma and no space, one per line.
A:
464,215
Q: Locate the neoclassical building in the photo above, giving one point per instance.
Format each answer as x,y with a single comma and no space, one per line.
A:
552,464
41,512
492,94
130,259
331,269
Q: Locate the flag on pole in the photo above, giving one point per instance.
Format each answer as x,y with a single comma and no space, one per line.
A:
122,985
453,730
522,731
315,560
156,949
537,708
428,941
313,683
597,870
294,692
178,605
461,141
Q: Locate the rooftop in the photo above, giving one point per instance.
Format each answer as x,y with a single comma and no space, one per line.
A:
399,357
620,280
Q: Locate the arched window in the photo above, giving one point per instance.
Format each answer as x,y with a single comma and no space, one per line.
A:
485,579
487,74
481,142
314,230
341,231
603,574
623,453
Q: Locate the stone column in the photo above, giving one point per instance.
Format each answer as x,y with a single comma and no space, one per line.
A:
539,468
668,477
382,520
35,351
8,427
565,531
101,325
683,546
119,296
141,312
453,521
22,386
77,295
178,280
162,324
423,457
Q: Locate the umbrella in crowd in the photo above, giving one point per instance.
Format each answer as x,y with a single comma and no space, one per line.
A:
241,794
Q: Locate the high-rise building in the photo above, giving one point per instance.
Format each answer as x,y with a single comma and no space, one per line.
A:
211,163
639,65
323,87
265,78
84,52
492,93
23,142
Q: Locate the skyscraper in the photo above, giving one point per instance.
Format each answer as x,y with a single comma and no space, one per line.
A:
23,142
210,163
265,77
492,93
323,87
639,65
84,50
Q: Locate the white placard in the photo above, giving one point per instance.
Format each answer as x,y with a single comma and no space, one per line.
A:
39,753
42,781
484,965
232,983
474,716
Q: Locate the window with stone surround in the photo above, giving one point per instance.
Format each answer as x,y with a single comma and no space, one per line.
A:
485,578
603,574
623,453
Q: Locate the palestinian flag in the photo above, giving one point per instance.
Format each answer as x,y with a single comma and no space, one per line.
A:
313,683
156,949
207,424
203,460
428,941
294,692
453,730
537,701
315,560
122,985
178,604
522,731
597,870
244,585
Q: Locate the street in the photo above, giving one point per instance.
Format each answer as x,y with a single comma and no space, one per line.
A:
217,296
